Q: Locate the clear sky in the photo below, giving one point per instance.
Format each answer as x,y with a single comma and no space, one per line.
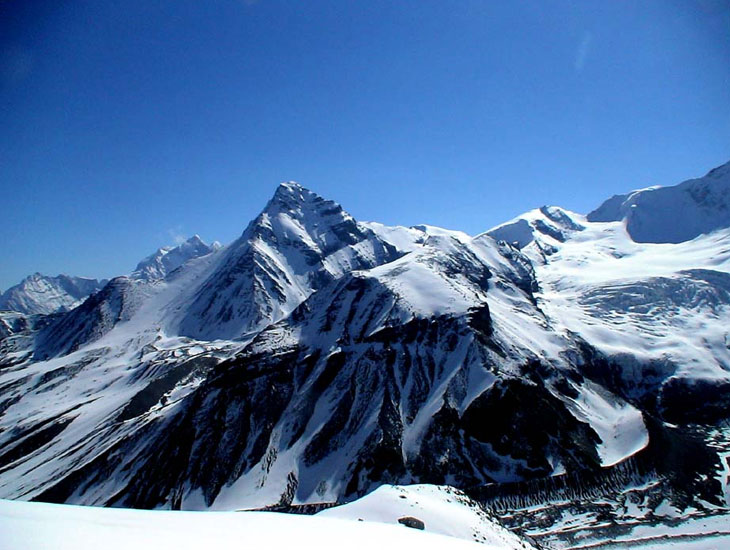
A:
125,125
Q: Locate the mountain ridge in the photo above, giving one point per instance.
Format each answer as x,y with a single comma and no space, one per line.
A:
672,214
298,243
41,294
357,354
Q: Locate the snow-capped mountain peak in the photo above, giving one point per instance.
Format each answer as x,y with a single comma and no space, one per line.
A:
169,258
298,243
41,294
672,214
538,232
291,193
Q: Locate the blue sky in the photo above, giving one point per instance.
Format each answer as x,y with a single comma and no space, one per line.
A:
125,125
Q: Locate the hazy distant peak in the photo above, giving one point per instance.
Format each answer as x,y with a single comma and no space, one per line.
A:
167,259
42,294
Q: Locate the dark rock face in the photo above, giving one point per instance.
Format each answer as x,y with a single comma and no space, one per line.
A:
553,232
157,388
560,218
28,440
216,435
481,321
525,278
683,401
413,523
539,426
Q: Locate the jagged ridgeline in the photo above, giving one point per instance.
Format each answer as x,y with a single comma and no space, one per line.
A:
317,357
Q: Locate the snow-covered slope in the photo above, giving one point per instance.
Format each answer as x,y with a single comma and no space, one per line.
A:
672,214
538,233
35,526
646,300
120,299
40,294
655,300
442,510
96,316
657,313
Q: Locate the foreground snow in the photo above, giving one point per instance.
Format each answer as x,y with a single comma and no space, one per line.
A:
442,509
33,526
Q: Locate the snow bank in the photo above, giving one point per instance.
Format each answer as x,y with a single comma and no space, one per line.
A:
32,526
443,510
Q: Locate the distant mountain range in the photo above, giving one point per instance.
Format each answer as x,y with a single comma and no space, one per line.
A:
40,294
317,357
